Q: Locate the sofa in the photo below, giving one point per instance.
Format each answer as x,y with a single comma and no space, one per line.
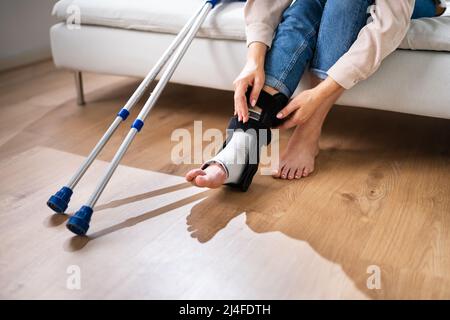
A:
126,37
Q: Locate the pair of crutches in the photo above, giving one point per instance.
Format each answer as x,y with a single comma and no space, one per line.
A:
79,222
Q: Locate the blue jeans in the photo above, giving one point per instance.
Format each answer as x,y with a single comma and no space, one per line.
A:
424,9
317,33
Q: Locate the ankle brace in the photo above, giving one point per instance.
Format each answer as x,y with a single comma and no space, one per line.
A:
255,134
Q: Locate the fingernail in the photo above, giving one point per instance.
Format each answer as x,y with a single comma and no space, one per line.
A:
279,115
253,102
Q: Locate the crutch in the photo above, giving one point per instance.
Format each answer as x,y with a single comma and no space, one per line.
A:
79,222
60,200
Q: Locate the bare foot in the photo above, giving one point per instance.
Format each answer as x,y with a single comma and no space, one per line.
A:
297,160
212,177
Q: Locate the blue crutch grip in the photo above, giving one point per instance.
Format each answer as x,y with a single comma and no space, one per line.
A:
60,200
79,222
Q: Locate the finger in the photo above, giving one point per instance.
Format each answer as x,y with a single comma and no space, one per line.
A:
286,111
245,114
289,123
257,87
239,99
243,111
244,107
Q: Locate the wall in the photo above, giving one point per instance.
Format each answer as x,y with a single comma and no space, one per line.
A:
24,31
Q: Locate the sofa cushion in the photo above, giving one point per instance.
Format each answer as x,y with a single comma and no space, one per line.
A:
428,34
225,22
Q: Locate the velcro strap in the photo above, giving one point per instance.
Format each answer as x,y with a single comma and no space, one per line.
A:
250,168
270,105
251,124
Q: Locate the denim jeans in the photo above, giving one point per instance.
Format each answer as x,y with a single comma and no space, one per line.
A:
316,33
424,9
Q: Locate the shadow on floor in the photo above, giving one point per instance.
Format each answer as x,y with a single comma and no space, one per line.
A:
58,219
79,242
355,221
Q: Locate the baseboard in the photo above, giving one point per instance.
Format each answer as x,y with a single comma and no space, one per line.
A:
24,58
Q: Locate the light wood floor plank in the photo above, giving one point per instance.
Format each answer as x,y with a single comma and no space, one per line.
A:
380,197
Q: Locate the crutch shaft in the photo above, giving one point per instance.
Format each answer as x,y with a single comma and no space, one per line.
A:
59,201
133,100
148,105
162,61
112,167
79,222
173,64
95,151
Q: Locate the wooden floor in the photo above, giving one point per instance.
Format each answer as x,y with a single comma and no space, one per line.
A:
380,197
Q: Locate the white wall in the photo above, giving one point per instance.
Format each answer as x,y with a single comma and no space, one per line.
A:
24,31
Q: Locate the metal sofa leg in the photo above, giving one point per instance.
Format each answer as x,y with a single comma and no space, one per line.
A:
79,88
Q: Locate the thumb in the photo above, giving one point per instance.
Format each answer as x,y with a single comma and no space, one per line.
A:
286,111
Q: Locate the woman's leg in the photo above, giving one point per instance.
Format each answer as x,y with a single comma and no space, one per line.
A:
293,46
298,159
424,9
341,22
291,52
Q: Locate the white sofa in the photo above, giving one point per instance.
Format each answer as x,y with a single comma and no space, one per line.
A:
126,37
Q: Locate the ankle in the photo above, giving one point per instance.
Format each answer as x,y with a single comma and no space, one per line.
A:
309,135
270,90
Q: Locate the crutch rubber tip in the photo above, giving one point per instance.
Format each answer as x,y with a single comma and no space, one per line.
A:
60,200
79,222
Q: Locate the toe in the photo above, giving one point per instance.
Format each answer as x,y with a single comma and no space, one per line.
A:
306,172
298,173
291,174
277,172
201,181
285,172
309,169
194,173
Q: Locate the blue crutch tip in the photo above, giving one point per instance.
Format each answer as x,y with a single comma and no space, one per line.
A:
60,200
79,222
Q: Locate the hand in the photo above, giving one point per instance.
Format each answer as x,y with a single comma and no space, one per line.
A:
300,109
252,75
303,106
